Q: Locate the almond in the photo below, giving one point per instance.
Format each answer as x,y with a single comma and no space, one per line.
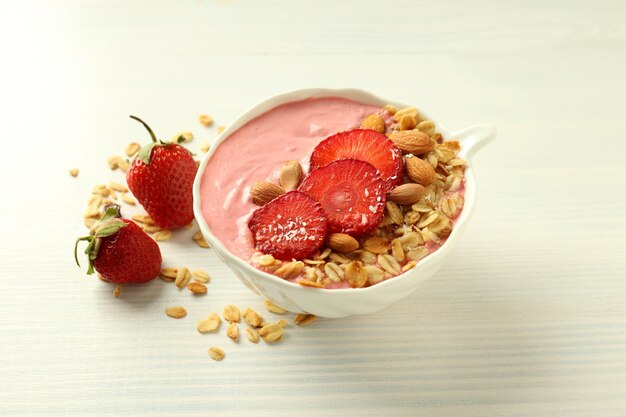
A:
290,175
342,242
406,194
264,192
374,122
420,171
412,141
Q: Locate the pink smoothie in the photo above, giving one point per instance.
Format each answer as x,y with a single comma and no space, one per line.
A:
256,151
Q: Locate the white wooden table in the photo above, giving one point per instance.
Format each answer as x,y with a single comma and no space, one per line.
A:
528,317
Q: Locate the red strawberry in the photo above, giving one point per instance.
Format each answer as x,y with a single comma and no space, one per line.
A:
352,194
161,178
120,251
291,226
364,145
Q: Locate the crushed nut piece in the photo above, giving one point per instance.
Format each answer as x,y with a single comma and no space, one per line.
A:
304,319
204,146
201,276
271,332
356,274
374,122
397,251
409,265
216,353
168,274
176,312
252,317
74,172
233,331
334,272
252,334
182,277
374,274
231,313
197,288
290,270
197,235
314,284
377,245
290,175
209,324
205,119
389,264
203,243
339,258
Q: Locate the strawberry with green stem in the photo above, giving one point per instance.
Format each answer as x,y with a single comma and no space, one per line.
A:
119,250
161,178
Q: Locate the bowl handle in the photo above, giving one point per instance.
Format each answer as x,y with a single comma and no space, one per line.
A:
475,138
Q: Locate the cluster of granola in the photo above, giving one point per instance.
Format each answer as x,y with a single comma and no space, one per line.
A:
418,217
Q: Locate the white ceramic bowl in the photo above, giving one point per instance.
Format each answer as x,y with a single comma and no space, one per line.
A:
343,302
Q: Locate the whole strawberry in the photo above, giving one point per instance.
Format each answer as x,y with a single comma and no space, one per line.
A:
161,178
120,251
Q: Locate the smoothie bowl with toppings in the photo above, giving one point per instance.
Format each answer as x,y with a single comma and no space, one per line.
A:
336,202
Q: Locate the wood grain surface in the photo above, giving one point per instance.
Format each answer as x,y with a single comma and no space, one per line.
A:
527,317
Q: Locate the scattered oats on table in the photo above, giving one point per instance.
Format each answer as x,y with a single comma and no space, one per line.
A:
205,119
197,288
201,276
176,312
209,324
216,353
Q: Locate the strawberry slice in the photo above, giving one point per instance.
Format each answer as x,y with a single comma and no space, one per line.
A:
364,145
352,194
292,226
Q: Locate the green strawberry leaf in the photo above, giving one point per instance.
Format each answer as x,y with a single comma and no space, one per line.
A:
108,225
146,152
108,228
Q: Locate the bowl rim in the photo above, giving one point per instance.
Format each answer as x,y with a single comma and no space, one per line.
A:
301,94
